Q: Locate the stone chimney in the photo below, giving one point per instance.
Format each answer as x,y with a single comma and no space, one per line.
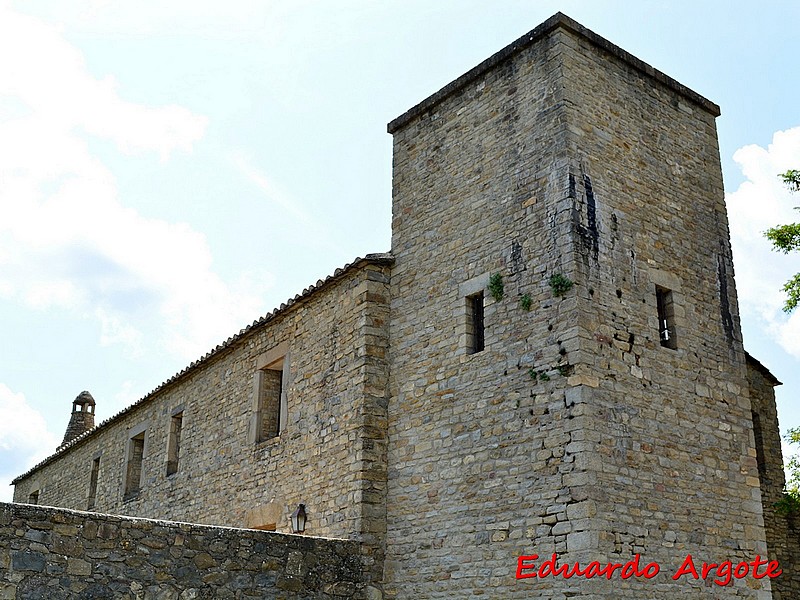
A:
82,418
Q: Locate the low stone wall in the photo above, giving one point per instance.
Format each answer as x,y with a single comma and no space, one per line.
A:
50,553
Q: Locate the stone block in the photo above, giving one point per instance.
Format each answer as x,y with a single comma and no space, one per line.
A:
27,561
76,566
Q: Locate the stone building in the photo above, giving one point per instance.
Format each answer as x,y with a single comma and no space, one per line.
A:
548,361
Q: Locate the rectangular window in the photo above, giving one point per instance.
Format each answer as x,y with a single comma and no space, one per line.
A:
270,404
133,470
475,324
93,483
174,443
666,318
33,497
270,400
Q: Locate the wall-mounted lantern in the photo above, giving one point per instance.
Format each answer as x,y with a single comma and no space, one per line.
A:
299,519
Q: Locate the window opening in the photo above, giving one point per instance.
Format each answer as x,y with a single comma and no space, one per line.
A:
666,318
133,475
270,386
476,326
174,444
759,439
33,497
93,483
270,396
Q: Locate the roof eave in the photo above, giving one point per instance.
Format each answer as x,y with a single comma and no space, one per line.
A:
382,258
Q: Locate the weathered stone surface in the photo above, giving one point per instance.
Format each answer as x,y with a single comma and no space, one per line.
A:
329,456
574,402
327,568
565,200
27,561
82,418
783,532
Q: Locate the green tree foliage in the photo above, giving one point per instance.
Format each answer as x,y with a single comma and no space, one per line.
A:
792,179
793,482
790,503
786,238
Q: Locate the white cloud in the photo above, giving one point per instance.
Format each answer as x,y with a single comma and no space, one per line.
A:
66,238
313,230
759,203
51,81
22,427
270,189
88,253
152,17
24,438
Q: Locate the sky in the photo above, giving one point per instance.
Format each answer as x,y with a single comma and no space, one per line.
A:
172,171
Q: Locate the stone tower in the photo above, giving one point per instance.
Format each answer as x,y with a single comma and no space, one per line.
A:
567,369
82,418
550,363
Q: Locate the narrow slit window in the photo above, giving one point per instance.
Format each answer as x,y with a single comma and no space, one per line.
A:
133,471
271,401
475,325
93,483
666,318
174,443
759,440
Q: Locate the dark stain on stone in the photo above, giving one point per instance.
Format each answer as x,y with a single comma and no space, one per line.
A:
724,301
588,233
516,263
591,211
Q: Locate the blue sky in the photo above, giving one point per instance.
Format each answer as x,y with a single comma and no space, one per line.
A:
169,172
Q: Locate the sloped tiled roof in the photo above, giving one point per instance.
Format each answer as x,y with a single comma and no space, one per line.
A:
383,258
765,372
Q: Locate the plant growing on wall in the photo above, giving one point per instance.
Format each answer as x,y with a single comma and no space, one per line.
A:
560,284
496,286
540,375
525,301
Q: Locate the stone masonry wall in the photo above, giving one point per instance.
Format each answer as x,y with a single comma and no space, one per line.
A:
783,532
330,455
575,431
481,461
58,554
670,429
